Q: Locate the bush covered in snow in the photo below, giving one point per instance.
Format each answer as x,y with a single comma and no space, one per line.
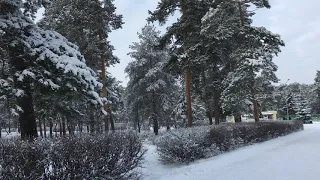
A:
113,156
187,145
182,145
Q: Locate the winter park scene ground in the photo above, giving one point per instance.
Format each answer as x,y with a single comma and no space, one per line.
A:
159,90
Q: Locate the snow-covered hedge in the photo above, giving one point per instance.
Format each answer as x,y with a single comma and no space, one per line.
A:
187,145
183,145
113,156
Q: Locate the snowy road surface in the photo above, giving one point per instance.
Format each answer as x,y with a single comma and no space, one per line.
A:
293,157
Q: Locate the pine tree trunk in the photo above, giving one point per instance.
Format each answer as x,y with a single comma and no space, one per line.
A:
154,115
40,128
9,124
139,127
44,128
70,129
184,6
209,117
51,128
237,118
60,127
92,124
254,101
64,132
188,93
111,120
27,118
137,121
80,126
255,111
216,113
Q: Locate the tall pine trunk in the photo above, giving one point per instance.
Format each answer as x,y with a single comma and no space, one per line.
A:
111,120
154,115
216,113
184,10
237,117
209,117
64,125
137,122
60,126
40,127
27,118
44,128
254,101
51,128
188,92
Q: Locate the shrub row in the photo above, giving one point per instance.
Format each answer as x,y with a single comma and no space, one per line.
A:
112,156
187,145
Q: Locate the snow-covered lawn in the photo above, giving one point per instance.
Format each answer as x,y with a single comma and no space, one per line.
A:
293,157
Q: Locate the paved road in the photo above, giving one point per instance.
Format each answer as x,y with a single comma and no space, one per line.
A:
293,157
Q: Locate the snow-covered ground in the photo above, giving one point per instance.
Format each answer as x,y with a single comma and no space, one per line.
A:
293,157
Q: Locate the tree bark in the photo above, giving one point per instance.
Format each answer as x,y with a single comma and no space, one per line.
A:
104,89
137,122
154,115
51,127
254,101
209,117
64,126
188,92
111,120
27,118
255,111
92,123
44,128
60,127
139,128
184,8
40,128
216,113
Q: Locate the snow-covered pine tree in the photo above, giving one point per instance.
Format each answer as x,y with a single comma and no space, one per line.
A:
302,107
316,92
115,96
39,59
150,87
245,51
184,34
87,24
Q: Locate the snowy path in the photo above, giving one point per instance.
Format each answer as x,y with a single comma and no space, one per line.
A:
293,157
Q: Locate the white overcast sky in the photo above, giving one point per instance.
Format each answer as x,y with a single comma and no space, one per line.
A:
297,22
